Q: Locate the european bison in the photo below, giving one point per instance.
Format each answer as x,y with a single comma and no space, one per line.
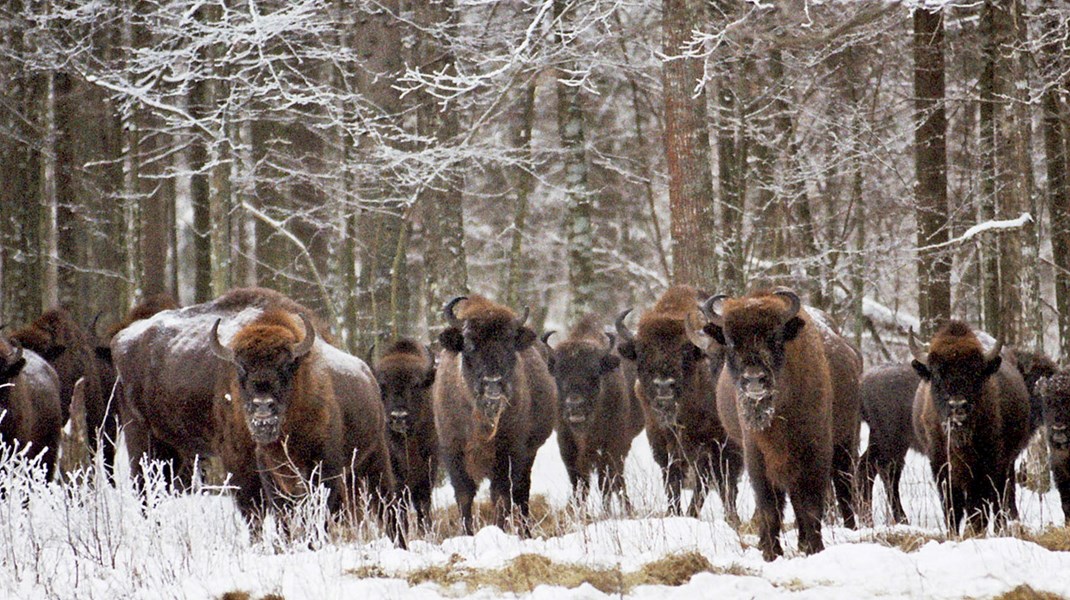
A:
298,413
170,378
1034,366
60,340
406,373
29,398
597,416
971,417
788,392
494,404
676,386
1055,394
887,406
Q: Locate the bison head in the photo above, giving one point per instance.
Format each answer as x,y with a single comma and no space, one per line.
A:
405,380
753,331
487,337
1054,391
579,368
42,339
956,367
266,356
665,358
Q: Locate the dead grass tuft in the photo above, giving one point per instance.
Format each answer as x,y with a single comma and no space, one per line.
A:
1056,539
1024,592
272,597
907,541
675,569
236,595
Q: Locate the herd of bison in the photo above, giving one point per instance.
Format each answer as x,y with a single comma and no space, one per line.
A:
717,383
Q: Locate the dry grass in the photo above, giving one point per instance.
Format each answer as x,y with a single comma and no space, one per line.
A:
1024,592
239,595
907,541
1053,538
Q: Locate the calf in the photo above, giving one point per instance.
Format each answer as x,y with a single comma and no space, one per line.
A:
971,417
597,415
29,401
887,404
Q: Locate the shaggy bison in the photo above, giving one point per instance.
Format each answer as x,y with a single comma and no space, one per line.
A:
494,404
789,393
406,373
1054,392
68,348
676,386
297,413
597,416
971,417
29,399
887,395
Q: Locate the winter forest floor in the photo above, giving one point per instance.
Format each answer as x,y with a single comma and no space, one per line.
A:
86,541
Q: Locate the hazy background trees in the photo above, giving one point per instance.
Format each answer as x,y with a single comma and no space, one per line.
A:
373,158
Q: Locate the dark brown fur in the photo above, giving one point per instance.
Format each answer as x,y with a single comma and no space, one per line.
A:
789,436
475,442
1034,366
68,348
170,378
1054,392
887,404
327,433
686,432
29,393
974,469
597,414
406,373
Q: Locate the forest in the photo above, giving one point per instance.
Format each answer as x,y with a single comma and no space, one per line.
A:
373,158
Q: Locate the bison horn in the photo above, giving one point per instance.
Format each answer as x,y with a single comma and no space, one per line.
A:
524,317
622,329
919,355
994,352
711,308
794,304
698,337
612,337
218,348
305,346
447,311
546,337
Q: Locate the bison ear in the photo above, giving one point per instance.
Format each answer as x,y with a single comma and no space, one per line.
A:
627,350
452,339
993,366
53,352
103,353
716,332
922,370
525,337
609,362
12,371
792,328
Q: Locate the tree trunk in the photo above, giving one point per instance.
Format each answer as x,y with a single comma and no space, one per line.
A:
930,164
1058,194
687,151
49,197
525,183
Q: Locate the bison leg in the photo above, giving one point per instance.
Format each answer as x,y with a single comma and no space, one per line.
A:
769,507
843,482
727,472
891,476
704,471
952,497
808,500
673,474
866,476
464,490
611,482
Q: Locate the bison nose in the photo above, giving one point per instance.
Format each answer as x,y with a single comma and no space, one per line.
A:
264,407
492,387
958,410
663,387
754,382
399,421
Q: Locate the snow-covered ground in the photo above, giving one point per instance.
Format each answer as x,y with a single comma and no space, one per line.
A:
89,541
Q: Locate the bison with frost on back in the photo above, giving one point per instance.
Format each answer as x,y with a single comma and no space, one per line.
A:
29,401
494,404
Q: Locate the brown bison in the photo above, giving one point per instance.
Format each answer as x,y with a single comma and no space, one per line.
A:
1055,394
298,413
494,404
676,386
170,379
29,400
971,417
887,395
788,392
597,415
406,373
60,340
1034,366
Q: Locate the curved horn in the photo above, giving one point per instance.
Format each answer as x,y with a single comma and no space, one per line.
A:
524,316
994,352
794,303
710,309
622,329
546,337
695,334
305,345
612,337
447,311
915,351
217,347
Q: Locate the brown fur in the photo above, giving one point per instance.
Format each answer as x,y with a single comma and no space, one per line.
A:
588,370
974,469
813,422
57,337
686,433
475,445
29,393
405,374
1054,392
171,379
887,395
1033,366
334,435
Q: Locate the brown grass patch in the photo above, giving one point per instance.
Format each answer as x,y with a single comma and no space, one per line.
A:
1024,592
1056,539
236,596
907,541
674,569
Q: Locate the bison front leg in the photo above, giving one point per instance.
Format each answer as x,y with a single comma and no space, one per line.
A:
1061,471
890,475
703,473
808,500
464,490
727,472
611,482
673,474
769,507
843,467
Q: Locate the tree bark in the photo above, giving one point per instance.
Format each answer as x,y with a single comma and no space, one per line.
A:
1058,194
49,197
525,183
